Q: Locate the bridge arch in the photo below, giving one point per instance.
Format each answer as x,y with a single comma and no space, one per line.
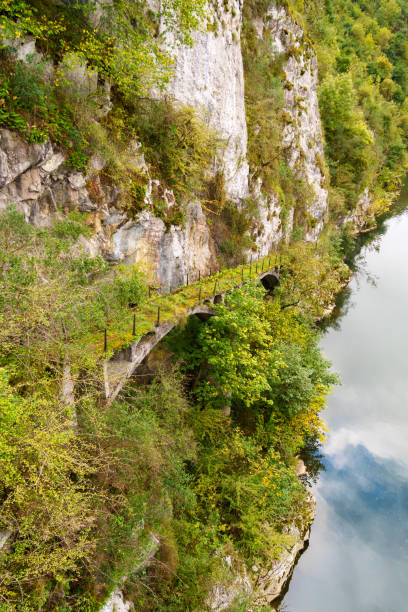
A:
124,363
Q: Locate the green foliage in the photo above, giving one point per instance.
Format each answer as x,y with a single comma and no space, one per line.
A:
257,8
147,439
263,363
232,229
30,105
177,143
244,359
131,57
362,60
125,49
313,275
264,104
351,148
52,292
265,81
49,513
210,470
361,50
20,17
241,490
249,492
158,461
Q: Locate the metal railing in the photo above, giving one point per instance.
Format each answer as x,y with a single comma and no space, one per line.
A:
199,278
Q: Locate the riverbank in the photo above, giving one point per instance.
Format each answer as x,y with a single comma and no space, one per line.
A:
240,581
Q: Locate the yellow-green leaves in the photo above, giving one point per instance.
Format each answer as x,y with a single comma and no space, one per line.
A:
48,511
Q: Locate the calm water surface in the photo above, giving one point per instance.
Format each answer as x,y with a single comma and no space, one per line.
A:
357,560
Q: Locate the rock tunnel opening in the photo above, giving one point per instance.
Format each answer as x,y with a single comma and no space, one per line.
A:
270,280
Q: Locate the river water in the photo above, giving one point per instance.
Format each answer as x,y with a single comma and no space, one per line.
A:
357,560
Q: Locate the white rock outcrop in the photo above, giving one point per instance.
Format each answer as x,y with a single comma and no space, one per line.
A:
269,582
223,596
268,228
209,76
302,138
362,217
261,585
5,535
36,179
172,253
117,603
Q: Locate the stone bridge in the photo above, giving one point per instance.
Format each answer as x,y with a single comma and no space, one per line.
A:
123,364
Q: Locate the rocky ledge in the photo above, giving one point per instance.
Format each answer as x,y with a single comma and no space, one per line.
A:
37,180
261,586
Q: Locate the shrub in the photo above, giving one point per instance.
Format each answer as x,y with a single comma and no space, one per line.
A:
177,144
32,106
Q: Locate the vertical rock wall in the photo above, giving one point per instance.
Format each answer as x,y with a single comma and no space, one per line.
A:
35,178
210,76
302,138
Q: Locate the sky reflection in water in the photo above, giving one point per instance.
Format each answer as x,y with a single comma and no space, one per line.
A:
358,556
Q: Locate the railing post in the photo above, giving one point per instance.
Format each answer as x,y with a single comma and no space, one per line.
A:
149,291
105,343
64,331
158,316
242,274
187,278
215,287
199,275
199,296
134,324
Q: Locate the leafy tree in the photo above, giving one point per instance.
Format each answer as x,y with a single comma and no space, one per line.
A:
350,147
47,504
246,357
53,295
124,47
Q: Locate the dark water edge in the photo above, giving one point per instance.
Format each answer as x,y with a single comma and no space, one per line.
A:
362,491
355,257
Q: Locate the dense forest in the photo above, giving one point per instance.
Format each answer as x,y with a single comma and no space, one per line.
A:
362,62
196,458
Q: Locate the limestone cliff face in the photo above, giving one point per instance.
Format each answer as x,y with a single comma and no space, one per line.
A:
261,585
302,137
269,231
35,178
209,76
362,218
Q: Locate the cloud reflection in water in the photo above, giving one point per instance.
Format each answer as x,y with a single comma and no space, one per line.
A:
357,560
